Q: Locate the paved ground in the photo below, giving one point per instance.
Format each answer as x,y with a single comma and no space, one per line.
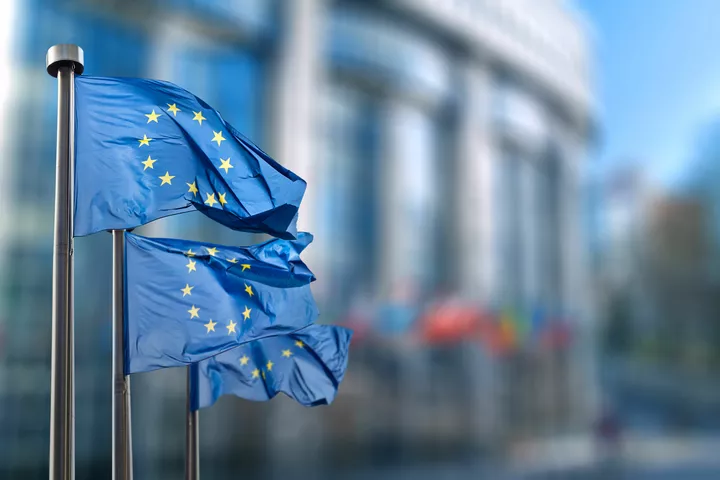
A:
646,457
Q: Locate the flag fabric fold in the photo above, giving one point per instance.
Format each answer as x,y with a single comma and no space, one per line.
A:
307,365
147,149
186,301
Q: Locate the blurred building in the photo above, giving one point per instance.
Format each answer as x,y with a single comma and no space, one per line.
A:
443,144
657,288
624,199
701,183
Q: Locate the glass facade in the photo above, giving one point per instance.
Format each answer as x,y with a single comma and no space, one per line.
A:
348,192
115,44
385,169
508,196
231,81
549,235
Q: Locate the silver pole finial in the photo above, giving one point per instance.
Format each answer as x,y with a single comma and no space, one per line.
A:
65,54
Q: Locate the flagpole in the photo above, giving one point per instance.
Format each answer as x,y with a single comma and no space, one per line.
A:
63,62
192,435
121,420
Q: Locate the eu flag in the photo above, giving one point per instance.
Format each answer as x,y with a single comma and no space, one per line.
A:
146,149
186,301
307,365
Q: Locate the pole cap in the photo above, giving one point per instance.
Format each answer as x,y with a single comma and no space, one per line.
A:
64,54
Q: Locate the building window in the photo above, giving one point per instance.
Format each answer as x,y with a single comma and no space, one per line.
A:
549,236
348,192
509,228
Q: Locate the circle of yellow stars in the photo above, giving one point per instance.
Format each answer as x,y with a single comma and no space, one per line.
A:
187,290
258,372
211,201
225,165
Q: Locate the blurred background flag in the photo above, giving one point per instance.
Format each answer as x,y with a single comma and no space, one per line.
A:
186,301
508,329
307,365
537,321
147,149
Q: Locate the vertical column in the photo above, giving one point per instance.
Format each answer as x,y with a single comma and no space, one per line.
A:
529,231
575,293
476,258
298,79
293,440
407,208
475,210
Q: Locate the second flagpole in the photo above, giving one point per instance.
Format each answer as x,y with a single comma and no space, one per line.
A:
121,420
192,434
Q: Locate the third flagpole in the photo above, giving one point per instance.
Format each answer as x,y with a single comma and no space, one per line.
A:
121,421
63,62
192,435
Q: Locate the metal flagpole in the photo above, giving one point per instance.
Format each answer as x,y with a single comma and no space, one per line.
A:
121,421
63,62
192,436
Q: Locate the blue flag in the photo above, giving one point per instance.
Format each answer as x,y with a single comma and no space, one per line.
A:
186,301
147,149
307,365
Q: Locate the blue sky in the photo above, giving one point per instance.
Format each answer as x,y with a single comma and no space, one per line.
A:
657,78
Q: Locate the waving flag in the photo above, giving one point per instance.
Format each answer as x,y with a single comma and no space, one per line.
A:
146,149
307,365
187,301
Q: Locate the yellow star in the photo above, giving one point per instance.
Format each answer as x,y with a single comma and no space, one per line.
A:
221,198
255,373
210,326
186,290
145,141
231,327
191,266
148,163
194,312
190,253
299,344
246,313
245,266
218,137
166,179
152,117
269,365
199,117
210,199
248,289
174,109
226,164
244,360
193,188
212,251
232,260
286,353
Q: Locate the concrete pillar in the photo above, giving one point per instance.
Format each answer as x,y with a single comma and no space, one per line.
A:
575,292
529,218
408,188
476,253
297,84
